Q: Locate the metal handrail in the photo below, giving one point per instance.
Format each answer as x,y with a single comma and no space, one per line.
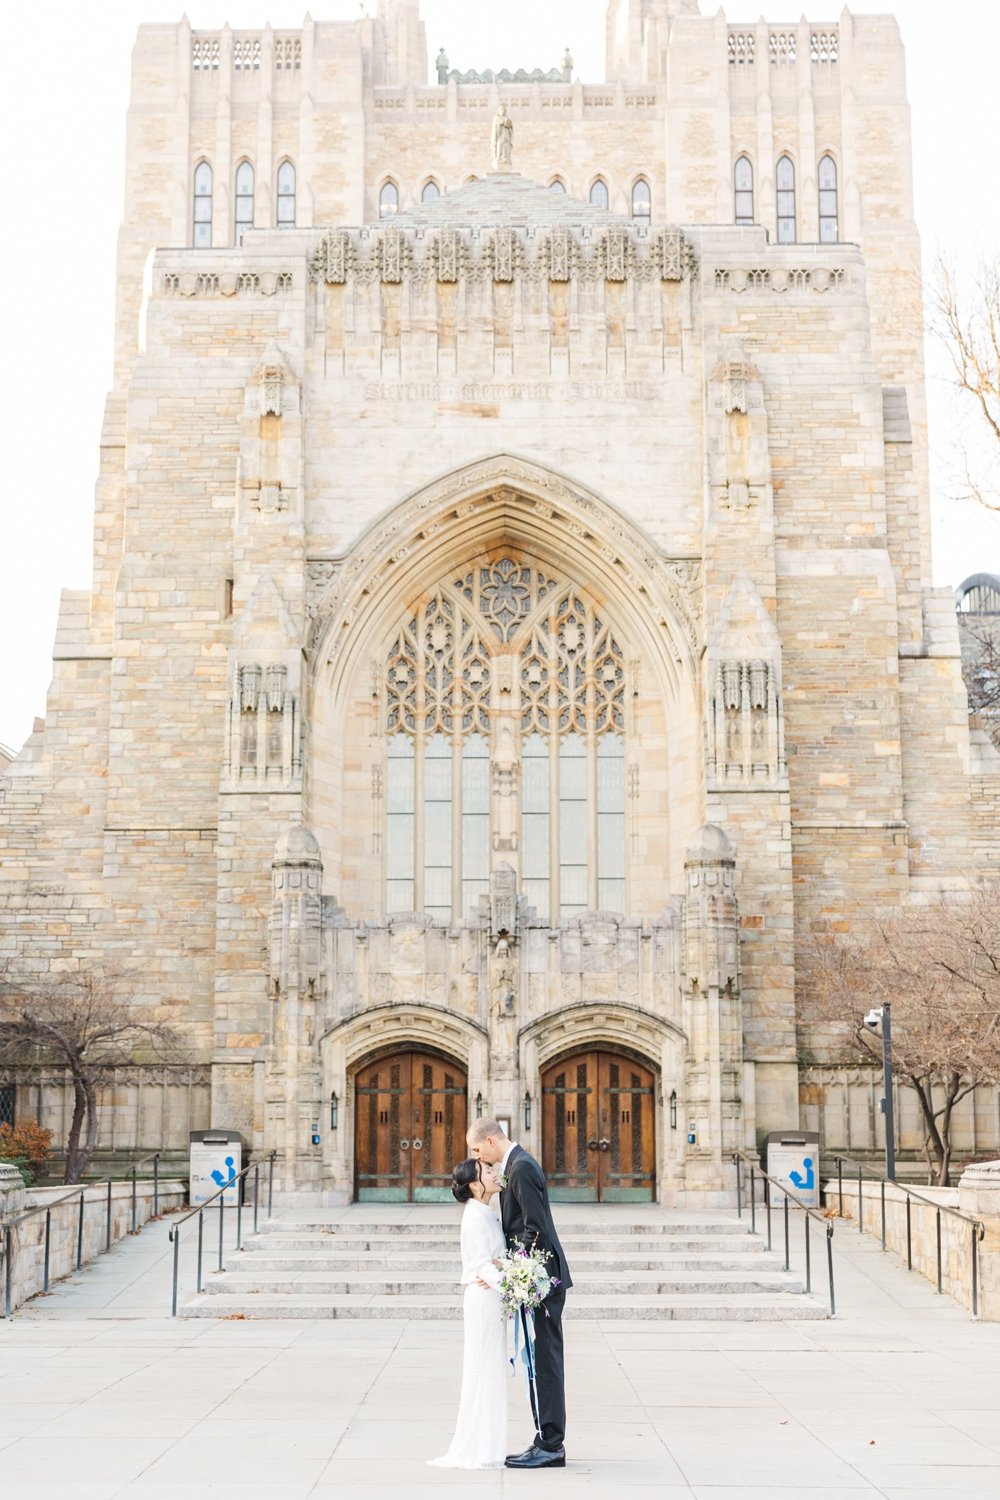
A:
976,1226
80,1192
741,1158
199,1212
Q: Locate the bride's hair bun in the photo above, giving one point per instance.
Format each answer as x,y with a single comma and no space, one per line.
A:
463,1175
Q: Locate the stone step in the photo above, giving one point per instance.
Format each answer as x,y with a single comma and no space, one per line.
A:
650,1284
580,1229
264,1263
573,1244
702,1307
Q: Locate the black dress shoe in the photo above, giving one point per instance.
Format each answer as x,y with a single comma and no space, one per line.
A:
538,1458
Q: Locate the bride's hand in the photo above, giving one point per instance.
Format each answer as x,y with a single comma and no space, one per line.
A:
484,1284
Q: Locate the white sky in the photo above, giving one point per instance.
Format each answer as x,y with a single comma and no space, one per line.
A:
62,152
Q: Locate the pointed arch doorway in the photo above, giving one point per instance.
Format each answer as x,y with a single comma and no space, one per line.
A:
599,1129
410,1123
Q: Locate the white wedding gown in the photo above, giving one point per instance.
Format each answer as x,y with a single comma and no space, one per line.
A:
480,1440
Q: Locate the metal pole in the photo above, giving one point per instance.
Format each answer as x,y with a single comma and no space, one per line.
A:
156,1185
909,1239
79,1236
767,1201
882,1186
937,1215
270,1183
890,1125
107,1227
256,1193
861,1216
840,1186
8,1274
829,1268
808,1258
739,1189
753,1202
48,1231
133,1199
222,1204
787,1260
239,1213
975,1270
201,1235
175,1236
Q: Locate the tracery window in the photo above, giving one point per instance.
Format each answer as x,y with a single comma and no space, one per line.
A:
743,190
504,716
244,200
429,191
286,196
828,230
642,201
388,200
202,232
599,193
784,180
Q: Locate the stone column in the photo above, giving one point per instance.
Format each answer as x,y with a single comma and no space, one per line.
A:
979,1195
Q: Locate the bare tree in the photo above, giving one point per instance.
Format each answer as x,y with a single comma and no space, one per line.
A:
966,318
939,967
980,636
87,1022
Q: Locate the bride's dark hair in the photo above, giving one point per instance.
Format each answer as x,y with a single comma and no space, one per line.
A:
463,1174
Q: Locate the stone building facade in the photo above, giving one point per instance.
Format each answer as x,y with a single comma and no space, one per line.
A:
511,631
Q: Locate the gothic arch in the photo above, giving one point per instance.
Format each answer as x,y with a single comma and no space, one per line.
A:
383,1027
600,1024
549,517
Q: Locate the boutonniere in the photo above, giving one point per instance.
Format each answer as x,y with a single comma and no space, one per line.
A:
502,1179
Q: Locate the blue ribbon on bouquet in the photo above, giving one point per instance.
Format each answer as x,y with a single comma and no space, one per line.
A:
524,1353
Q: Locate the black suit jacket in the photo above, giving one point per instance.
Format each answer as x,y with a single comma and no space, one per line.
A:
525,1213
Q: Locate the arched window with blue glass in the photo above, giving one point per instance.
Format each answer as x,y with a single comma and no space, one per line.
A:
642,201
388,200
201,237
784,182
243,214
599,193
829,231
743,190
286,196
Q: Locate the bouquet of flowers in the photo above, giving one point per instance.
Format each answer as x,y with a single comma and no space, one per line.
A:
524,1281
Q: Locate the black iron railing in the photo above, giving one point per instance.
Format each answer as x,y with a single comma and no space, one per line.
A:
976,1228
219,1196
756,1173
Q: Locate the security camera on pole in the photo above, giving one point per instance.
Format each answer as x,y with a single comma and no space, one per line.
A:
881,1017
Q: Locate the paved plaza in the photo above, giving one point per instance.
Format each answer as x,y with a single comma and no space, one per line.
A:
104,1396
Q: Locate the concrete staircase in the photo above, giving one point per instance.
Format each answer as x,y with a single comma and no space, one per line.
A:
364,1263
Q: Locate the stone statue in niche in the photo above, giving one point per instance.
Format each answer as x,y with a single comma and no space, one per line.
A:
503,139
503,1004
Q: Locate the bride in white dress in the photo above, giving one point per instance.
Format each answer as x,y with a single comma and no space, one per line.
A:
480,1440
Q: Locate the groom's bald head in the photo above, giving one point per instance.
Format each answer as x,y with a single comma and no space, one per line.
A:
487,1141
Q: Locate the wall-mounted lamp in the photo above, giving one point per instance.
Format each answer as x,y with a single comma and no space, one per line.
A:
673,1109
479,1106
527,1111
334,1102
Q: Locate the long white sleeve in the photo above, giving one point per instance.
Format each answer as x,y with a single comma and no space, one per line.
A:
482,1241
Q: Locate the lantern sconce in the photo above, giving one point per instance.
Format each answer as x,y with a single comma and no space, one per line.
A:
479,1106
527,1111
673,1109
334,1103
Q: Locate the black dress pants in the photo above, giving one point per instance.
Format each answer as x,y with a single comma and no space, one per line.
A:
549,1396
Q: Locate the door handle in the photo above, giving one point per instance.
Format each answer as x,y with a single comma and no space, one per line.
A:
404,1145
418,1144
605,1145
591,1145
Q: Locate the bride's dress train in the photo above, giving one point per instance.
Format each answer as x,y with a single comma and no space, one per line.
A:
480,1440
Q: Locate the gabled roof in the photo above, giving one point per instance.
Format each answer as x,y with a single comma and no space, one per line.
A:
505,198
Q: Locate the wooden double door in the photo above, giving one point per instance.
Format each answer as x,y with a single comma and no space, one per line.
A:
411,1113
599,1129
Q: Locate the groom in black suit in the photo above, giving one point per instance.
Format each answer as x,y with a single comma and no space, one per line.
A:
527,1217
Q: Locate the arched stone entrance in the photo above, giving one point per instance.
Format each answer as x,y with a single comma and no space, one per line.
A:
411,1115
599,1128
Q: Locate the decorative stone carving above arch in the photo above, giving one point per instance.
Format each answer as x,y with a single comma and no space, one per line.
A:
554,517
409,1026
608,1025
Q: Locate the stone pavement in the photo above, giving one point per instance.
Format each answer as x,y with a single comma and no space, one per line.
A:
104,1398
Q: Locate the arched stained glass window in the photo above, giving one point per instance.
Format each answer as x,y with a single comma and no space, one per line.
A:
429,191
388,200
642,201
828,228
599,193
244,200
202,232
286,196
784,181
504,704
743,190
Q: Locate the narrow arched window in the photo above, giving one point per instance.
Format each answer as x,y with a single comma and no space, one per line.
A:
828,229
244,200
202,237
429,191
642,201
599,193
557,185
286,196
784,181
388,200
743,190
